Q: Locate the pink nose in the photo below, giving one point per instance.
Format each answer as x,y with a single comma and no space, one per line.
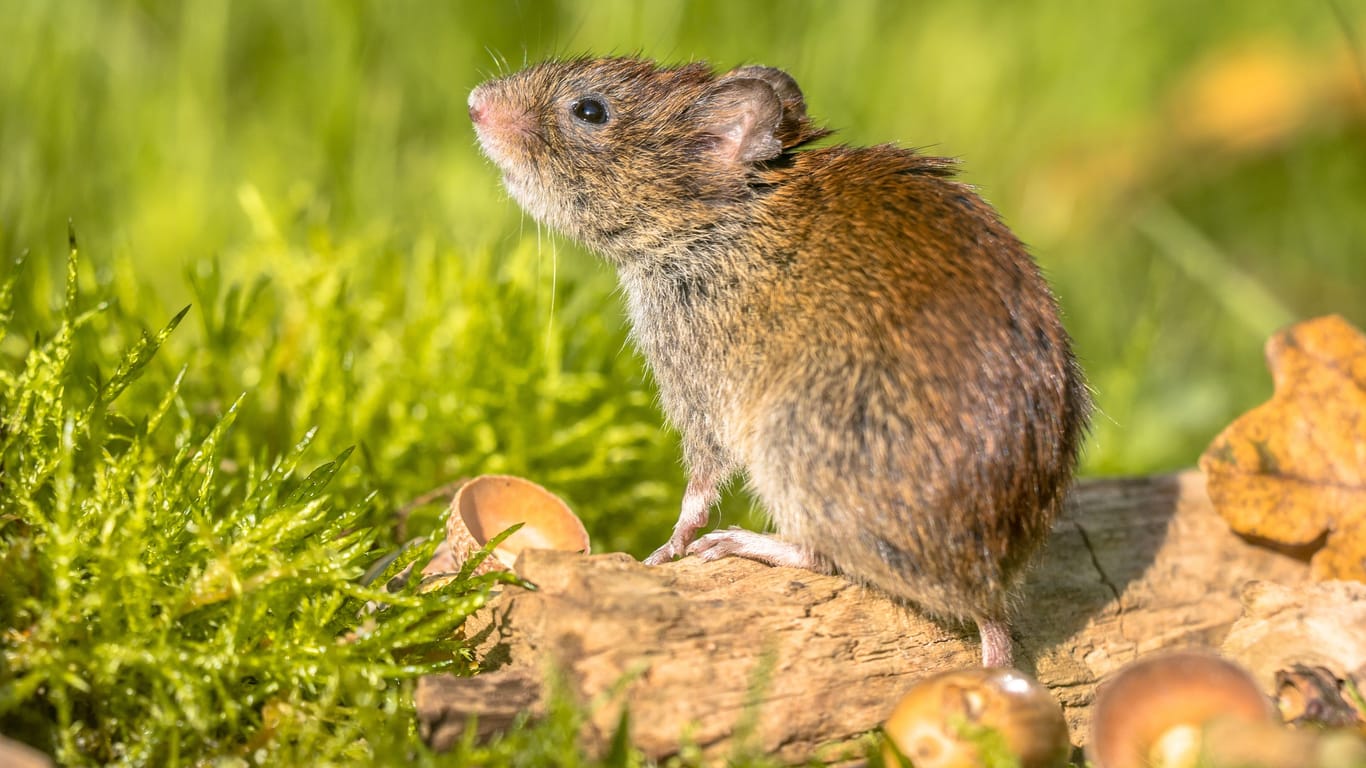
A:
478,110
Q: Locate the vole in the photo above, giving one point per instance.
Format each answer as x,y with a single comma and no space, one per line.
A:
850,326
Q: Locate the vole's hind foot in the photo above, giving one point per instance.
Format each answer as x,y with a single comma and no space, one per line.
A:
738,542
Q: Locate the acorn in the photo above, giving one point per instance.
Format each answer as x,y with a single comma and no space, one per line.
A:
1158,712
955,719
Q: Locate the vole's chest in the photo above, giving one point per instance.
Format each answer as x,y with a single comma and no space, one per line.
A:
680,339
701,348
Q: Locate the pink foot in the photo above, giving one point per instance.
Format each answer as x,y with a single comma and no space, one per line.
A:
697,501
738,542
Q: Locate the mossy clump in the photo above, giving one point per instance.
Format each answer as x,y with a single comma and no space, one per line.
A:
175,589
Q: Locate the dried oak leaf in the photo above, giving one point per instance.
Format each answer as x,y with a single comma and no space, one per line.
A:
1294,468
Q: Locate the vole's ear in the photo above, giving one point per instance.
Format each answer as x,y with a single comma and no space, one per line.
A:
743,114
796,127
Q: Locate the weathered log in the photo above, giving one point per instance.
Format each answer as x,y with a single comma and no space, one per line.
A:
1322,624
16,754
1133,566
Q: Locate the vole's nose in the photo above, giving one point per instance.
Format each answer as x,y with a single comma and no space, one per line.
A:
476,106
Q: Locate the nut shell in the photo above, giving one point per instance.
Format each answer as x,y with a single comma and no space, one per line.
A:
490,504
943,721
1158,708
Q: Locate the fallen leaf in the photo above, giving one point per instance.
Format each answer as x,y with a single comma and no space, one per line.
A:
1294,468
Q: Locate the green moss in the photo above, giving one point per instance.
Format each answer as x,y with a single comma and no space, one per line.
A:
160,590
179,583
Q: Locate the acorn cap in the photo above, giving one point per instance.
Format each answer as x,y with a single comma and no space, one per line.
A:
1160,705
490,504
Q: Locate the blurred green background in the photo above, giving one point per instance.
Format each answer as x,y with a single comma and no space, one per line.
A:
1191,176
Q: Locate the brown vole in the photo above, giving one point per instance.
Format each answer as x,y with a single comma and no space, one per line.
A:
850,326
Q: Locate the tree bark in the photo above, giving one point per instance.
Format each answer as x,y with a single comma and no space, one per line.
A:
809,662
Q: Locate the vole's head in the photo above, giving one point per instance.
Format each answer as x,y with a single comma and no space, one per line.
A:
628,156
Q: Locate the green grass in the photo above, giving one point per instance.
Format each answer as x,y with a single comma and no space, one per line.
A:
185,513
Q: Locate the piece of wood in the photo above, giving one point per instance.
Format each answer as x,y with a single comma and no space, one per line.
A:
16,754
1133,566
1321,624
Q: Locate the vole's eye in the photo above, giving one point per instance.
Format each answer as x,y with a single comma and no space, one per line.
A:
590,110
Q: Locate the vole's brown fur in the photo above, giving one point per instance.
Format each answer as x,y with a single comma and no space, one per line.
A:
853,328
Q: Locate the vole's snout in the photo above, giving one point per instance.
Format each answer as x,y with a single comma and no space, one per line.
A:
496,119
477,105
503,127
493,123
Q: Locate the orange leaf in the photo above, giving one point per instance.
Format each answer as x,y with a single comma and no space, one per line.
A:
1294,468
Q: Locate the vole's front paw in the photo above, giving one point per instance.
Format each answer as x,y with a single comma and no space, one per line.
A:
675,548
